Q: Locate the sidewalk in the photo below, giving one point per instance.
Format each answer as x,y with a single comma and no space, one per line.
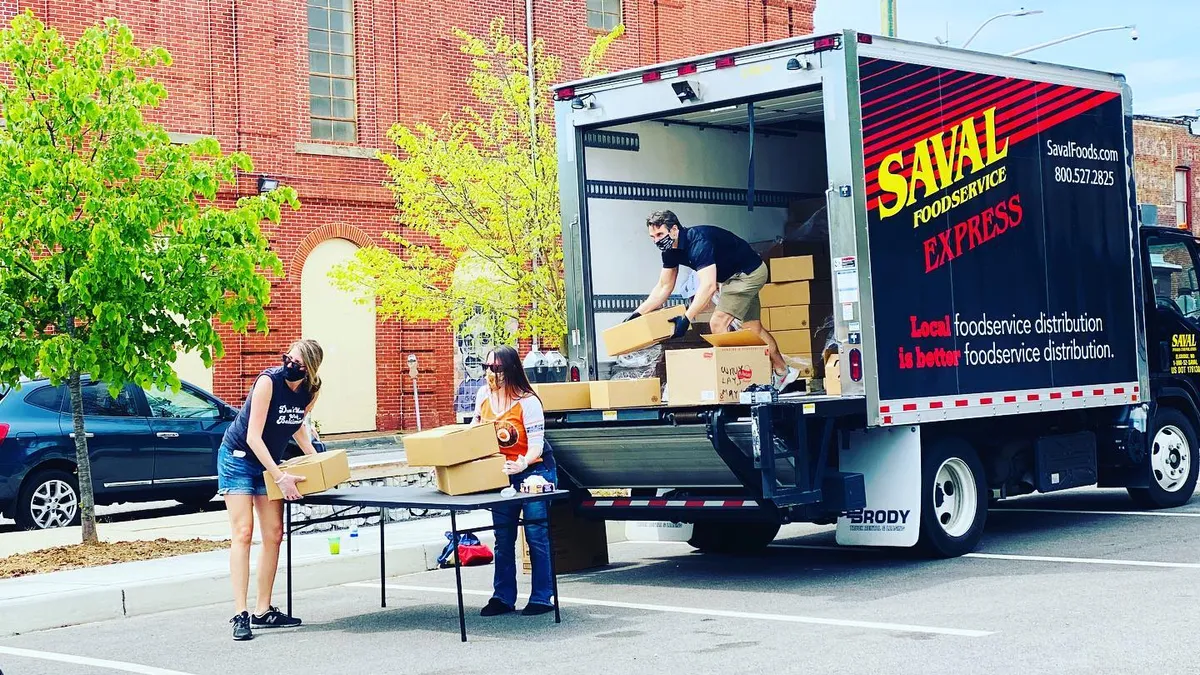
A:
130,589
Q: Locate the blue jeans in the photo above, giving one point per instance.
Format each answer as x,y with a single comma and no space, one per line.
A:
504,584
239,475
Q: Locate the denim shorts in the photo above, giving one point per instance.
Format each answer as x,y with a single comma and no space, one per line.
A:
238,475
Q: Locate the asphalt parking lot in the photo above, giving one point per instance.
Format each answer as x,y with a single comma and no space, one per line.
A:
1071,583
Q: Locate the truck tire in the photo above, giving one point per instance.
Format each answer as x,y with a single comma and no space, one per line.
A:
732,537
1171,459
954,499
48,499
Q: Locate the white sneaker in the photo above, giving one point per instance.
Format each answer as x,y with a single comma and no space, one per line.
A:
781,382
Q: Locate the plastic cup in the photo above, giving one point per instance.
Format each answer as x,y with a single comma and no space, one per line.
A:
335,545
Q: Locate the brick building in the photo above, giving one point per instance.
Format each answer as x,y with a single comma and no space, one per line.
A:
1166,160
309,89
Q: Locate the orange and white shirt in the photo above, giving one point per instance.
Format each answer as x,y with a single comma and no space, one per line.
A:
519,428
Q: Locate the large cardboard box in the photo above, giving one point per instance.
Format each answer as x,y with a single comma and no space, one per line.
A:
718,374
796,341
322,471
451,444
564,395
795,293
479,475
641,332
609,394
803,363
798,268
794,317
579,544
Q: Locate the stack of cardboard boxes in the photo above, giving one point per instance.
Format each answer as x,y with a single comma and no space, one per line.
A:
795,305
466,457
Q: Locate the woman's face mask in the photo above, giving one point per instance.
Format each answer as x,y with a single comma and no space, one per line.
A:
495,380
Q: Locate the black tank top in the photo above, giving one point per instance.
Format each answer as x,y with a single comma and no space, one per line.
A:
284,417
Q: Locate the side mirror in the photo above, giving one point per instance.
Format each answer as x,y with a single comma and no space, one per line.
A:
228,414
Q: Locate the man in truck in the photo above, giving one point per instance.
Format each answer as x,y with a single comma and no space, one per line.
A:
722,260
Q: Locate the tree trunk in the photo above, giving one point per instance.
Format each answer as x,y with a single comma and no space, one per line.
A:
87,502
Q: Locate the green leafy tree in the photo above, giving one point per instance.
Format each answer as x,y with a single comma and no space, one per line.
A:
114,252
481,190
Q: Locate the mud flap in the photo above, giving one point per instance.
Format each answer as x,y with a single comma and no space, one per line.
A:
890,461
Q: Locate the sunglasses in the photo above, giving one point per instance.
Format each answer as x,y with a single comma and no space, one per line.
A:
288,360
494,367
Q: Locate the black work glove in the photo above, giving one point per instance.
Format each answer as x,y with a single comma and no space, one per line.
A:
681,326
631,317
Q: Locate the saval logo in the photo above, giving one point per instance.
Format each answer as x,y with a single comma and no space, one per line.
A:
878,516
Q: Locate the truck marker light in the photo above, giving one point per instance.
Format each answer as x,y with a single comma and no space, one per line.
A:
687,69
564,94
652,76
725,62
865,39
856,367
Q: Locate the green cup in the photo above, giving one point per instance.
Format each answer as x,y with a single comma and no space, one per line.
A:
335,545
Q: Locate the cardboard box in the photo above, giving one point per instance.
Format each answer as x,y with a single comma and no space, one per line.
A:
322,471
796,342
718,374
833,378
796,293
797,268
610,394
794,317
451,444
803,363
641,332
579,544
564,395
479,475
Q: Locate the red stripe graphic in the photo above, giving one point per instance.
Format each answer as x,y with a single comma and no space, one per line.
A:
692,503
734,502
658,502
869,108
894,94
948,90
880,72
923,125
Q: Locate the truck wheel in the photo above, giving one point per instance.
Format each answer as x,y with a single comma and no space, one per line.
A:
1172,460
954,499
732,537
48,499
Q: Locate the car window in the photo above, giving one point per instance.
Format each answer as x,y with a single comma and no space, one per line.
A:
47,397
98,402
180,404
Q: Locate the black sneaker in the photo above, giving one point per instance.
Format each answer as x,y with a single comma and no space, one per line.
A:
536,609
273,618
241,627
495,608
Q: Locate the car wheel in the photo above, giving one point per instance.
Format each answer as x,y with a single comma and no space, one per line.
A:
1173,462
49,499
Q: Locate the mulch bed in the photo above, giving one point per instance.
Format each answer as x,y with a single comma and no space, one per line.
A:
103,553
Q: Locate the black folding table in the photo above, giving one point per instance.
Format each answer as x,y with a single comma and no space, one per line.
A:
406,497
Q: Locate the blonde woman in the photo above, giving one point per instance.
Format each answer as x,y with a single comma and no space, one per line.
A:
274,412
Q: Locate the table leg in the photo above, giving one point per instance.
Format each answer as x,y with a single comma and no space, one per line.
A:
382,564
287,527
553,571
462,615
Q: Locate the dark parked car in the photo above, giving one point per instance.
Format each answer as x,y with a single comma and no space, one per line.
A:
145,445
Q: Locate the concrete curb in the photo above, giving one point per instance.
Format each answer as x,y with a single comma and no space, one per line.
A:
127,598
71,607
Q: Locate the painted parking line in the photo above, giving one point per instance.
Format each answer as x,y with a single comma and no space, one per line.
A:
1018,558
707,612
1077,512
87,661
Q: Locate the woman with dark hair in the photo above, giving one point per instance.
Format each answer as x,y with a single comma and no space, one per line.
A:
509,401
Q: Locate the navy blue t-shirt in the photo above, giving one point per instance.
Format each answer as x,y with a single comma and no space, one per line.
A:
284,417
704,245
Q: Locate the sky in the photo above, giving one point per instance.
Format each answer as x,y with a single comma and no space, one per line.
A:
1162,66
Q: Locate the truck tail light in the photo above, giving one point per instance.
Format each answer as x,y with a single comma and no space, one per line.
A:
856,365
864,38
822,44
687,69
574,373
565,93
3,431
652,76
725,62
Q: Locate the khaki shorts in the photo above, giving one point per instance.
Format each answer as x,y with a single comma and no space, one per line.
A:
739,295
